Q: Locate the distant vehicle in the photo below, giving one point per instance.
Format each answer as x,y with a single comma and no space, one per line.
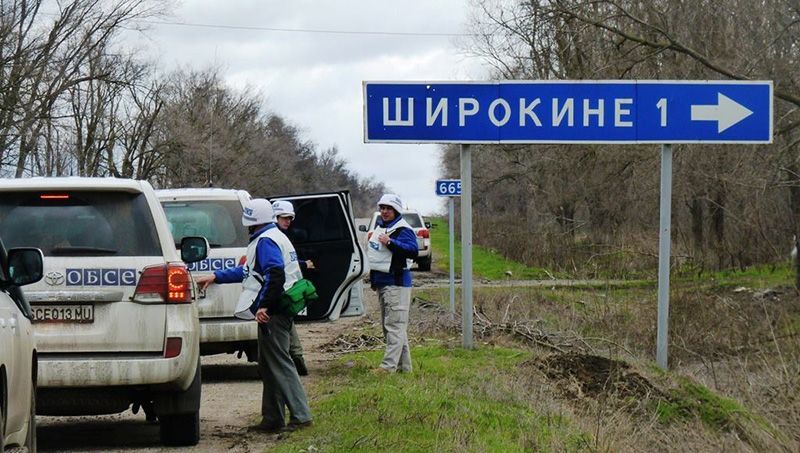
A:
421,229
114,317
17,349
328,238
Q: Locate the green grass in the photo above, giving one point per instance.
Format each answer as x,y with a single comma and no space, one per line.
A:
692,400
764,276
455,400
485,263
491,265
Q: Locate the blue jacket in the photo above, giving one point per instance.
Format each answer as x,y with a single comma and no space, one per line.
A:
403,246
269,264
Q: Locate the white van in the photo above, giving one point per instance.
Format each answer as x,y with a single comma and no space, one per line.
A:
325,233
114,317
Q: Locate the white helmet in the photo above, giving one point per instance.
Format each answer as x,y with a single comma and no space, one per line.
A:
283,208
257,211
390,199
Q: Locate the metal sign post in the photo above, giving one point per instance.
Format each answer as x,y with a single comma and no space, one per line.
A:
451,188
663,255
466,247
570,111
451,224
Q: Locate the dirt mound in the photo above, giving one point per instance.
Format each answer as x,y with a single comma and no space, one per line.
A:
594,376
353,343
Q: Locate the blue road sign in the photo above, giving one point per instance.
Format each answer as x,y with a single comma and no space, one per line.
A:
579,111
448,187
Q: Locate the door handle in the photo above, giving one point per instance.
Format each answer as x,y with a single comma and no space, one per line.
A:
12,323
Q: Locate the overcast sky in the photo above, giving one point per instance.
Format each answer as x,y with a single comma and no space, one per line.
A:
314,79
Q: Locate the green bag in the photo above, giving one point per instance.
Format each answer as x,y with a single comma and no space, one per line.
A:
296,298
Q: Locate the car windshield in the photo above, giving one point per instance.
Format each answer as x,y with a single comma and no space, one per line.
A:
79,223
219,221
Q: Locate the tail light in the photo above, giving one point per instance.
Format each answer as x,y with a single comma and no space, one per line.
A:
369,235
168,283
423,233
242,260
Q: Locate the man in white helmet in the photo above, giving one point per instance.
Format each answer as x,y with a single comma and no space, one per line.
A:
271,267
284,215
392,247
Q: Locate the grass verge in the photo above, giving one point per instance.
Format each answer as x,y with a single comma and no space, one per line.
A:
486,264
455,400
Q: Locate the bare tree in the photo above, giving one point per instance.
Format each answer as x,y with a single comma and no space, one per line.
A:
583,204
45,57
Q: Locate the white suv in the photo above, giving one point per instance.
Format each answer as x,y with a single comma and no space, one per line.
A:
421,230
17,348
323,230
114,317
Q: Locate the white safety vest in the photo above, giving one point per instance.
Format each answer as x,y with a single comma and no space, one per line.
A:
378,255
253,281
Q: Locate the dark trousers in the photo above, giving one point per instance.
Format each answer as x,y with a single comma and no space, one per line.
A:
282,387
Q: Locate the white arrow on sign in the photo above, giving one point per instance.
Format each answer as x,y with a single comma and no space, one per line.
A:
726,113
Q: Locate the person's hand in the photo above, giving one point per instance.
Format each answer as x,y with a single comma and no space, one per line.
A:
205,281
261,316
384,239
310,264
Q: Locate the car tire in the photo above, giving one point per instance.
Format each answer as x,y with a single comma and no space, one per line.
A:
180,429
180,425
30,437
424,264
251,352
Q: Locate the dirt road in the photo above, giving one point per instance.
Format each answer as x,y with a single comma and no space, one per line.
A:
231,402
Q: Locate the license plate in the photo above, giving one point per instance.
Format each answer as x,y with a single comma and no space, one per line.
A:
63,313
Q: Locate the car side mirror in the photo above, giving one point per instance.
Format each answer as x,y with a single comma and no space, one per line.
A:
428,225
25,265
362,228
194,248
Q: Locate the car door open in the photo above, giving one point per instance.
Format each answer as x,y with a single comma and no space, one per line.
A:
324,232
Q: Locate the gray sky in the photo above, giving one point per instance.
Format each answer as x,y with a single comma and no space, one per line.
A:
314,79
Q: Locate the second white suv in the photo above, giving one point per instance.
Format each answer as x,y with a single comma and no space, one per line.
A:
325,233
114,318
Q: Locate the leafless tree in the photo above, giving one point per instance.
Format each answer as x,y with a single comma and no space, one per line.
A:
580,205
44,55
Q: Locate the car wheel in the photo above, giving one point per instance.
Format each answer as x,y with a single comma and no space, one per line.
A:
251,352
180,429
424,264
30,438
180,423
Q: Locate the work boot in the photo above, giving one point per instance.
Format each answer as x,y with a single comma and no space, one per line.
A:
269,428
300,365
294,426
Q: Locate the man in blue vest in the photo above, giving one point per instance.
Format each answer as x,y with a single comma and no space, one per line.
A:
391,249
271,268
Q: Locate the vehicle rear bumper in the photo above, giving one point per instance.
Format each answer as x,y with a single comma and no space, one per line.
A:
227,330
109,369
68,370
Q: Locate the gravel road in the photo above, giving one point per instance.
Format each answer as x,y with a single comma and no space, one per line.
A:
231,402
